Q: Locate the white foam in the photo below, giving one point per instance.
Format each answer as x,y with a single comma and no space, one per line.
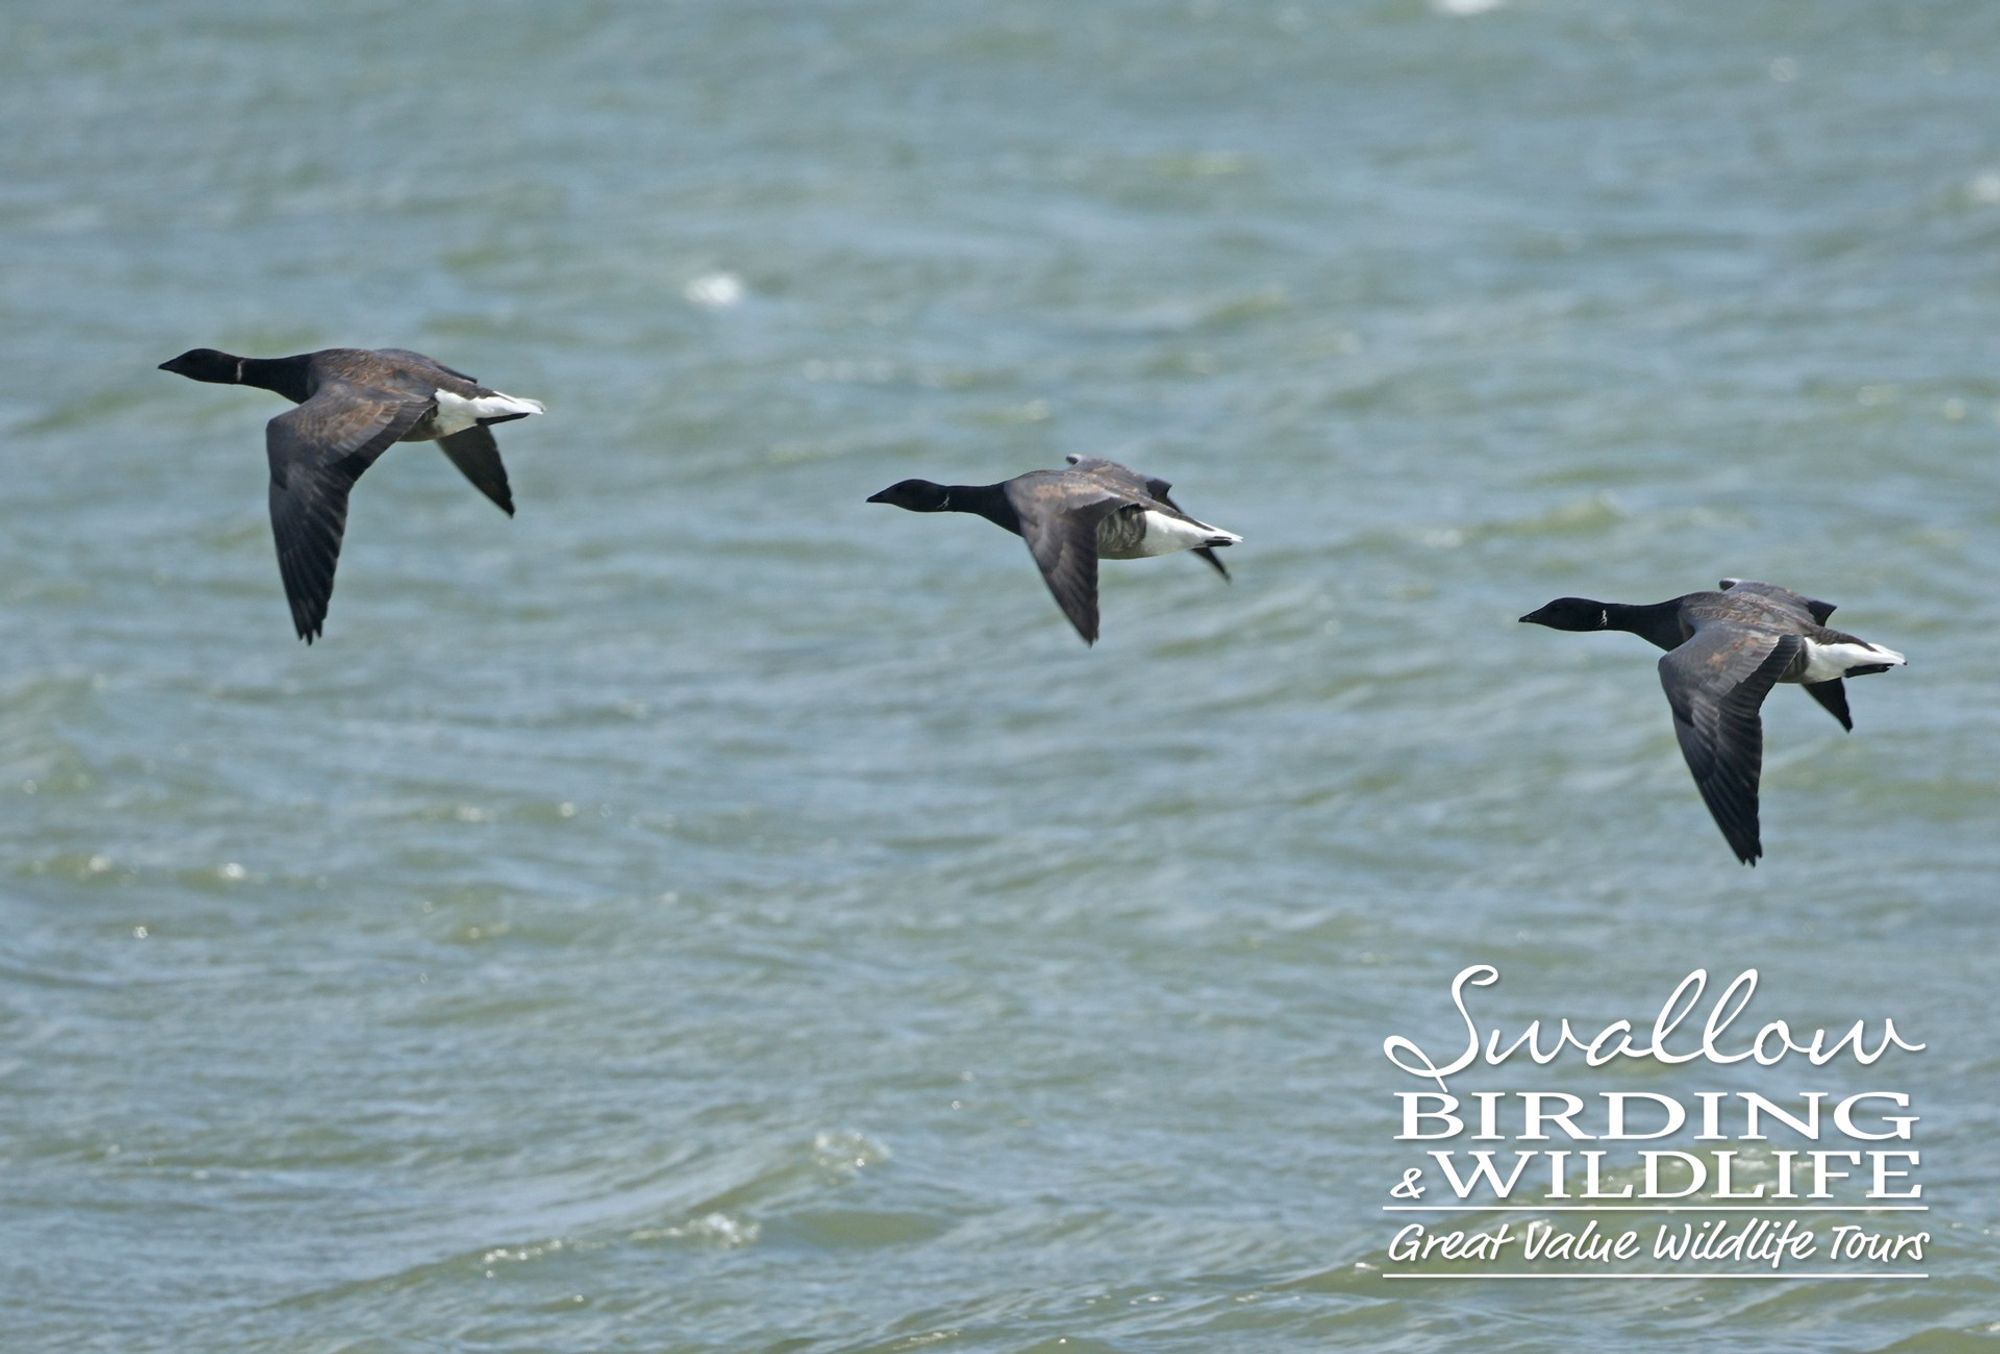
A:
716,291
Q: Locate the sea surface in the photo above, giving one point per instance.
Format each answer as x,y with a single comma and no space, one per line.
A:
711,913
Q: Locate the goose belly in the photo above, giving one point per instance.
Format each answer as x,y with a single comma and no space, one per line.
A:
1136,535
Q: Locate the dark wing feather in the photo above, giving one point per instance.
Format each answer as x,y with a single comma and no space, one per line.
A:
1131,481
1716,683
424,360
1798,603
1833,695
476,454
317,451
1059,522
1122,478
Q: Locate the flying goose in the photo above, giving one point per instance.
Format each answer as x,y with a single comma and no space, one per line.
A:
1725,650
1071,518
352,403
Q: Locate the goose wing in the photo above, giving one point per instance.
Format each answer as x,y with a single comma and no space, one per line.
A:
1123,478
1832,695
1716,683
1059,515
1806,608
317,451
476,454
425,362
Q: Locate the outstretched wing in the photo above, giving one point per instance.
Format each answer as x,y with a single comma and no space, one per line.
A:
1059,522
1807,608
425,360
317,451
1716,683
1120,477
1833,696
476,454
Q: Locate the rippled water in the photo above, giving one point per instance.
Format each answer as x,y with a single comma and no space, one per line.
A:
708,912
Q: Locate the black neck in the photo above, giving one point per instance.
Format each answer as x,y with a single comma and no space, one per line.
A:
288,376
1658,624
987,500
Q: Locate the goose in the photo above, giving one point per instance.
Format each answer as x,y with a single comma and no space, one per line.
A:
351,404
1071,518
1725,650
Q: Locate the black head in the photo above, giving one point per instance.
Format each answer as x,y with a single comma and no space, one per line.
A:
915,496
206,364
1572,613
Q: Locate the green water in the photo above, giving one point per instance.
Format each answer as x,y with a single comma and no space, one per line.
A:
710,913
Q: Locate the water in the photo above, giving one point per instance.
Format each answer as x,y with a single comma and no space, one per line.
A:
708,912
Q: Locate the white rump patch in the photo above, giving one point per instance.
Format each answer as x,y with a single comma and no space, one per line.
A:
1165,535
1826,662
455,413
